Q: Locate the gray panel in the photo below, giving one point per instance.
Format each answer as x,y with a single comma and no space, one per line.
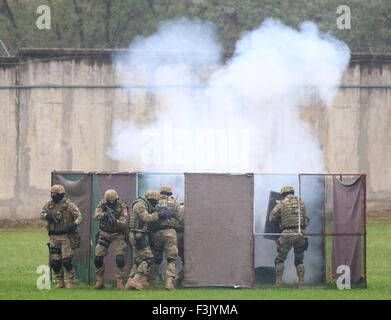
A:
218,233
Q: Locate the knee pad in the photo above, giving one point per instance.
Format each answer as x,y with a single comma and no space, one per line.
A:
297,262
67,262
98,261
56,265
120,261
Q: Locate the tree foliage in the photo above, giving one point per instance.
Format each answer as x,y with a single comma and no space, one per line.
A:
115,23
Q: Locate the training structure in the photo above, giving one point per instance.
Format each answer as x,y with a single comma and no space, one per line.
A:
228,240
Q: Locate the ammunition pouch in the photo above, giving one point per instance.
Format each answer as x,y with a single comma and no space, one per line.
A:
141,240
57,233
53,250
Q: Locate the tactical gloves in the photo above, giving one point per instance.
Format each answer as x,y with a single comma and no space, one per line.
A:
72,228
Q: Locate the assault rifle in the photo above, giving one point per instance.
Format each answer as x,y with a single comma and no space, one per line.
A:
164,213
110,215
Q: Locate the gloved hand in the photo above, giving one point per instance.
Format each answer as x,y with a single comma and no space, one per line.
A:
109,217
72,228
162,214
51,218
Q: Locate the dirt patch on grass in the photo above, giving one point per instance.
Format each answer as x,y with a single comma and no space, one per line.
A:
22,223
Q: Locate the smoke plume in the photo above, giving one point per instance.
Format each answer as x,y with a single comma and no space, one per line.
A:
243,115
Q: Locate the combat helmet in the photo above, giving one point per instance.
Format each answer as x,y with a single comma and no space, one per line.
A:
152,195
57,189
287,189
111,195
166,190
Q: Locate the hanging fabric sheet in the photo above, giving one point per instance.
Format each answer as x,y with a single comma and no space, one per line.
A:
348,219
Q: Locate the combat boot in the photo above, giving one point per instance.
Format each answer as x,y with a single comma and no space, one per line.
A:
69,284
300,274
60,284
120,284
169,284
100,283
136,283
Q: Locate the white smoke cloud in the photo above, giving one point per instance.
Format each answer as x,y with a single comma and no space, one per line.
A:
241,116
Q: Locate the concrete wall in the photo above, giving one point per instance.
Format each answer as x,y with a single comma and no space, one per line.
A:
44,129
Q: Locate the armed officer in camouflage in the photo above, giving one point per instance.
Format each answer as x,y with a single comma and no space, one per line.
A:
143,212
62,217
163,238
286,213
180,232
112,214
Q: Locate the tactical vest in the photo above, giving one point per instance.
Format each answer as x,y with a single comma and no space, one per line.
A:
171,205
289,213
103,223
135,223
63,213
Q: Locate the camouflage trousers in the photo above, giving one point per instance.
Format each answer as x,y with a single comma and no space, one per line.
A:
61,254
165,242
142,254
117,240
284,245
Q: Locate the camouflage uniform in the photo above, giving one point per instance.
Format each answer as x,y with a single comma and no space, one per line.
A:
111,233
62,217
286,214
142,213
180,232
164,239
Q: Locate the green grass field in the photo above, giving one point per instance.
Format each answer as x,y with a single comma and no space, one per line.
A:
23,250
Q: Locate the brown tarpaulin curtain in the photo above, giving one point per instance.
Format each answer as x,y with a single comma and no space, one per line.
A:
347,219
219,228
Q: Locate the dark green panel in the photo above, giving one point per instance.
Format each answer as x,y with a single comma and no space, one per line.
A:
80,258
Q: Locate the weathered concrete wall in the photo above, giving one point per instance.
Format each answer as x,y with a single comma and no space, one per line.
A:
45,129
